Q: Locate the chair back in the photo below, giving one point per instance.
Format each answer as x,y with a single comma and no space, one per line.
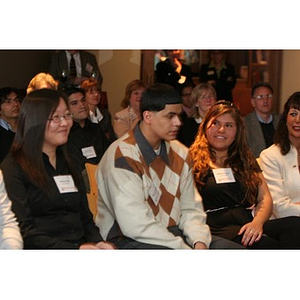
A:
93,194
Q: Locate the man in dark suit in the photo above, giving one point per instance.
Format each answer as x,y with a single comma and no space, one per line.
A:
84,66
261,123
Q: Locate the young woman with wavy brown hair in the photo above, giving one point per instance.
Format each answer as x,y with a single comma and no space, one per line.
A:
234,192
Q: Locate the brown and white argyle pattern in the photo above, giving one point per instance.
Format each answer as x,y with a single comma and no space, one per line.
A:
165,176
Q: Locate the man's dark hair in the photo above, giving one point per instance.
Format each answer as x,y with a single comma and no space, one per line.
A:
5,91
260,84
72,90
156,97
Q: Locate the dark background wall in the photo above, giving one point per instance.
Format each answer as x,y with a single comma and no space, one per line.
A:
17,67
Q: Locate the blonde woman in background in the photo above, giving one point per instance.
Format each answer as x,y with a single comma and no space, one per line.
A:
42,81
202,99
127,118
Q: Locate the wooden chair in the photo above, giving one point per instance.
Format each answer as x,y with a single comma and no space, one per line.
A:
93,194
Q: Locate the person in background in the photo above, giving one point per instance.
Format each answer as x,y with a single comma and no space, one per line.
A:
235,194
281,161
129,116
185,93
202,98
42,81
47,193
261,123
10,236
98,115
9,113
219,74
86,141
147,197
72,67
172,71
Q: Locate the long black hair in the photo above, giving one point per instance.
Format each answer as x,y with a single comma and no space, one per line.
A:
281,137
36,109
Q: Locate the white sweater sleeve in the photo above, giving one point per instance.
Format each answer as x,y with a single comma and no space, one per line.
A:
10,237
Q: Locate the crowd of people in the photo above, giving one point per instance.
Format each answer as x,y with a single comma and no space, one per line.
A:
178,167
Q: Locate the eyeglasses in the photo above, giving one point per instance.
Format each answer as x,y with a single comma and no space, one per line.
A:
10,101
58,119
267,96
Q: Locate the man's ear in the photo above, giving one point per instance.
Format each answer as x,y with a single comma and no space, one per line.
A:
252,102
147,116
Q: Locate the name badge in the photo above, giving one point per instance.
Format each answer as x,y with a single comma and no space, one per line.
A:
155,193
89,152
223,175
89,68
65,184
210,72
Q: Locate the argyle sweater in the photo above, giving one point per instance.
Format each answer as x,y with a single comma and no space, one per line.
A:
141,194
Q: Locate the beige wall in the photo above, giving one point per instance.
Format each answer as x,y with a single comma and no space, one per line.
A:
290,76
118,68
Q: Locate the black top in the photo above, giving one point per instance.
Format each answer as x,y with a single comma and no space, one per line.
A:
6,139
223,194
226,210
224,84
59,222
188,131
89,135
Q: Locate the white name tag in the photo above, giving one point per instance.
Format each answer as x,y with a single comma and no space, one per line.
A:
223,175
65,184
89,68
155,193
210,72
89,152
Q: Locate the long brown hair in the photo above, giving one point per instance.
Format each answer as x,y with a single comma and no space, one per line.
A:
240,157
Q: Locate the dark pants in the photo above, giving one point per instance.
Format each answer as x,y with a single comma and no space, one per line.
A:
216,243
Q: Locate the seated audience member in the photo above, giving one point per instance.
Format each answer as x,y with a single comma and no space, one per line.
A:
98,115
9,112
10,236
220,74
185,93
42,81
127,118
172,71
235,194
202,98
261,123
72,67
281,161
47,193
147,197
86,142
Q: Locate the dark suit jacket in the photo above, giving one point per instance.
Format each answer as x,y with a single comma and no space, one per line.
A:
59,62
254,132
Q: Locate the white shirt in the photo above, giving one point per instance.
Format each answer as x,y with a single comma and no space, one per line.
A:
10,236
